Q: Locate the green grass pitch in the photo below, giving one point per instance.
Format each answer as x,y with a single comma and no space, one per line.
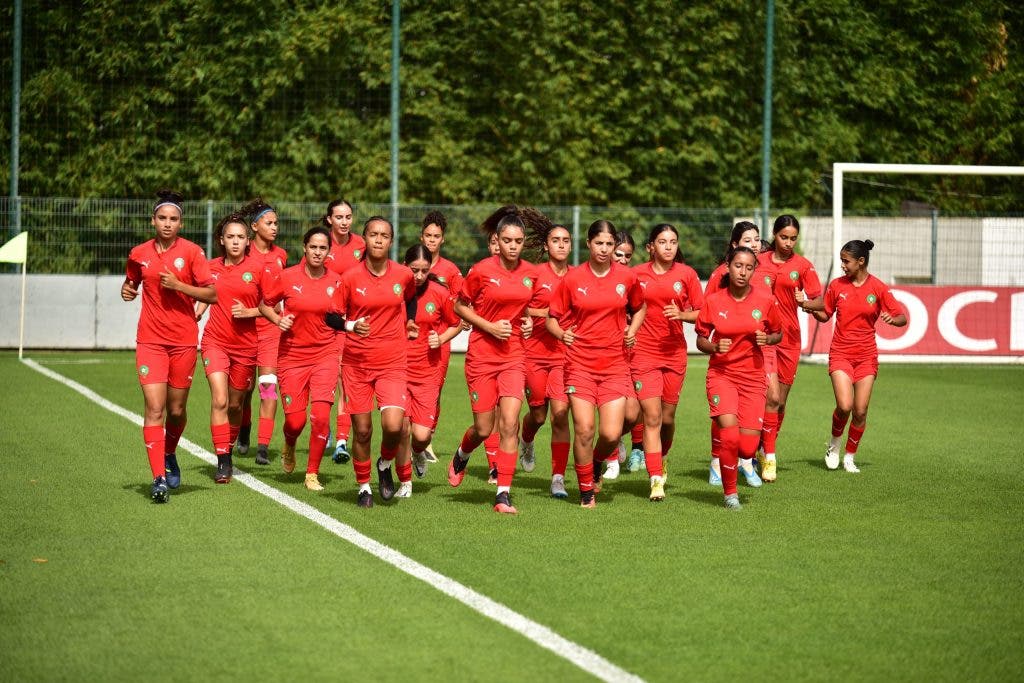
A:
911,570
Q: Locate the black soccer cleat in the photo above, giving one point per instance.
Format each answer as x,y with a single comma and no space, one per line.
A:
262,457
386,480
223,469
365,499
172,471
159,492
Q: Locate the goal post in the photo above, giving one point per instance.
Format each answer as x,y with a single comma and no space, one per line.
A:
839,169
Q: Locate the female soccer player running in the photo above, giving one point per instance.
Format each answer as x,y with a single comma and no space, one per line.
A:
733,326
857,299
374,294
262,219
545,370
230,339
588,314
673,296
306,363
744,234
790,273
173,274
432,309
432,232
493,300
347,250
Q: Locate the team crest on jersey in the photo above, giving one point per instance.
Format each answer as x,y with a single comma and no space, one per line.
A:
570,389
143,370
330,291
526,390
397,288
475,396
793,275
756,314
872,298
287,399
768,280
637,386
179,263
357,253
715,399
442,280
430,307
246,276
206,362
677,286
620,289
528,282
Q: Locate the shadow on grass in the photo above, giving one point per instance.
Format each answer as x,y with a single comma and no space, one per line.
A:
708,496
143,489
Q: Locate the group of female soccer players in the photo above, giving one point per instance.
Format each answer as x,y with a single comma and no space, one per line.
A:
602,342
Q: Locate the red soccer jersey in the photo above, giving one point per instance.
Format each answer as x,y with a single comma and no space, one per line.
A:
598,307
167,317
763,277
243,282
449,275
434,312
309,300
380,299
542,347
787,277
660,341
724,317
344,257
274,261
498,294
857,309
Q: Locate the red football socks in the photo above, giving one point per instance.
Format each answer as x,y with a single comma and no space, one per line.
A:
853,439
221,437
769,432
729,456
838,424
506,462
559,457
153,437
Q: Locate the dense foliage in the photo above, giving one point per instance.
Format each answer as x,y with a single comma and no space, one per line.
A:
646,103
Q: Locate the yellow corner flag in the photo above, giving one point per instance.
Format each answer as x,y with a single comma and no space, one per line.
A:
16,249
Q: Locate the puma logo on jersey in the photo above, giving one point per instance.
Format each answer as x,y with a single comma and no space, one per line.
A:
496,281
215,276
644,285
724,314
582,290
297,288
843,296
546,286
361,290
144,264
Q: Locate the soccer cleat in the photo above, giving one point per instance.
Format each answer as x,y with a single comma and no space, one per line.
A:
832,457
312,482
526,457
288,458
341,454
419,464
172,471
732,502
768,473
386,481
714,475
750,474
365,499
492,476
429,452
503,504
635,460
242,442
849,465
759,460
223,469
404,490
588,499
657,489
558,487
262,456
159,491
611,469
456,470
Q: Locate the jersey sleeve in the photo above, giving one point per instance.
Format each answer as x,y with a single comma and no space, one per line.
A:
829,300
694,294
811,282
703,325
635,293
201,275
470,287
273,289
559,305
889,303
132,269
773,321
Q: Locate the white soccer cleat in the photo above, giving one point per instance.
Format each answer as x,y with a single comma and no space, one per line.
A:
558,487
849,465
526,456
404,490
832,457
611,469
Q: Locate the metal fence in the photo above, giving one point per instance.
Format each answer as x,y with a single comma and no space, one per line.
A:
93,236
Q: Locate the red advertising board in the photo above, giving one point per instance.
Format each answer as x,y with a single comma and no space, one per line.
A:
942,321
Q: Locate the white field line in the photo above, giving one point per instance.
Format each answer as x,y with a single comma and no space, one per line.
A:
586,659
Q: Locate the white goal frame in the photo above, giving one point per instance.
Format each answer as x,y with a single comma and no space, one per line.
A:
841,168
